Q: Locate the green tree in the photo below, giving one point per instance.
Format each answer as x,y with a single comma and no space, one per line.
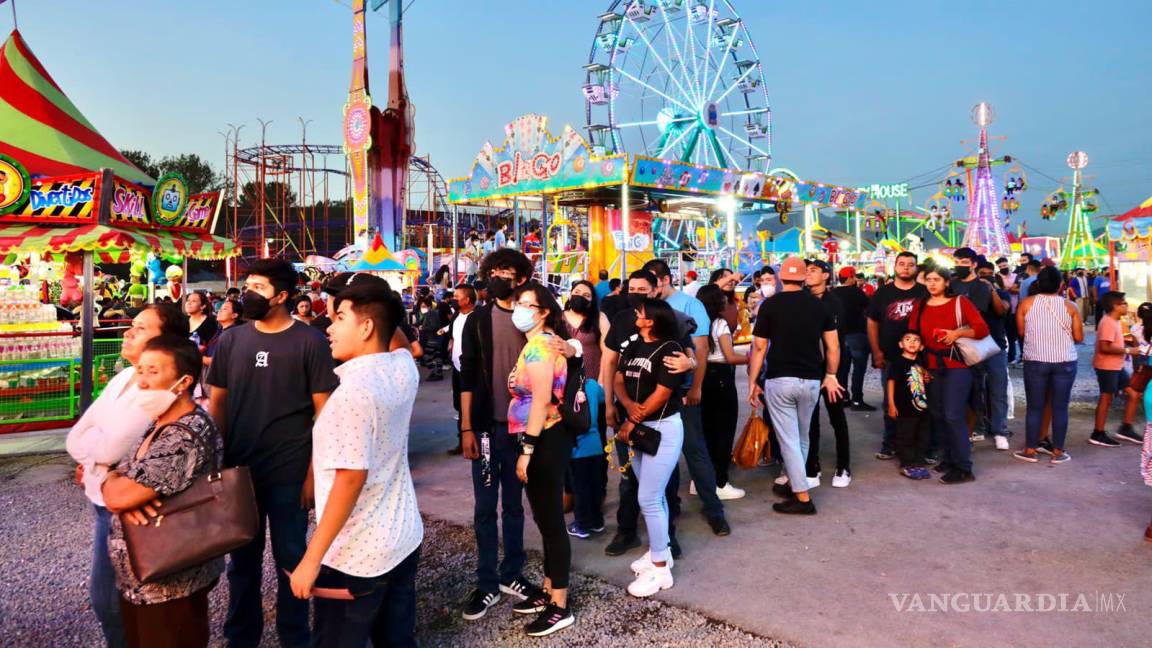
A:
196,171
275,194
143,161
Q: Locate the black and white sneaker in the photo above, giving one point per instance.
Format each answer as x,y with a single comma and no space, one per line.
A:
534,604
551,619
521,589
478,604
1045,447
1101,438
1127,433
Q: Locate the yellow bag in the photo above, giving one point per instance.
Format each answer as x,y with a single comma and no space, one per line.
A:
753,443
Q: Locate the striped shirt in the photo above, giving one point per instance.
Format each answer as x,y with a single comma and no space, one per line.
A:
1048,331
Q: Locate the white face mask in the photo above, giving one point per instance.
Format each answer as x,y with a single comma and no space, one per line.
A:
523,319
155,402
768,289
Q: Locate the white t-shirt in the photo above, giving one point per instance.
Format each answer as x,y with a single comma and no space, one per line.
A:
719,329
364,426
692,288
458,338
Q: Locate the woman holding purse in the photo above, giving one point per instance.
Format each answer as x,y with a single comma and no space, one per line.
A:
647,391
178,448
939,326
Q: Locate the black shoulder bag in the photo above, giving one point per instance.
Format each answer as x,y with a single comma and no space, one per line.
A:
645,438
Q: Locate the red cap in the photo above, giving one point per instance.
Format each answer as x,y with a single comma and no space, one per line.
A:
691,275
793,269
846,271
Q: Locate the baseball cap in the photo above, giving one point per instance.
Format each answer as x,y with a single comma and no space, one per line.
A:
691,275
793,269
846,271
823,265
345,280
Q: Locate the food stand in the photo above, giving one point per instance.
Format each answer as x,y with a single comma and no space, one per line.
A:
1130,252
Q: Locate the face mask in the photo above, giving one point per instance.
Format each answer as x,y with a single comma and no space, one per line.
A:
1003,271
499,288
579,304
155,402
961,272
768,290
523,319
636,299
256,306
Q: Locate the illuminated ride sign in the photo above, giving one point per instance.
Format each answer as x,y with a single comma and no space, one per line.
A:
129,204
886,191
61,199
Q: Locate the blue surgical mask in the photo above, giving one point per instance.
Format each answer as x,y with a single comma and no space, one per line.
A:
523,319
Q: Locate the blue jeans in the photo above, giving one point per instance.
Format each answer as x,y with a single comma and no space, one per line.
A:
856,357
699,463
948,404
1039,377
628,511
653,473
790,404
990,395
278,507
507,491
102,589
384,609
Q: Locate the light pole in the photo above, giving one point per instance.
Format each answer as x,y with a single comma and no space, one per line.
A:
260,176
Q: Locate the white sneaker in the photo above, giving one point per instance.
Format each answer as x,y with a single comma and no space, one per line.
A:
1001,442
841,479
814,482
692,488
729,492
782,479
644,563
651,581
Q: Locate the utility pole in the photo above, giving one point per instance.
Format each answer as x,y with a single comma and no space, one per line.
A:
260,174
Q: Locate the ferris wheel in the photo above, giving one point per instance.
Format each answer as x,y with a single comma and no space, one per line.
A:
679,80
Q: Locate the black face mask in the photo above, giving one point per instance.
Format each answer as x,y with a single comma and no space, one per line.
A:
256,306
1003,271
961,272
579,304
499,288
636,299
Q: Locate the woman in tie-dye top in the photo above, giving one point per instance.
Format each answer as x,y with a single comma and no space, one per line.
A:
536,385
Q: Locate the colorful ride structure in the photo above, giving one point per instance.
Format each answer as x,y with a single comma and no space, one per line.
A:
1081,247
987,231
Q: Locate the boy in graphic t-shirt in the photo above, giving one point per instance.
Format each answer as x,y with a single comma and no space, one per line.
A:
908,406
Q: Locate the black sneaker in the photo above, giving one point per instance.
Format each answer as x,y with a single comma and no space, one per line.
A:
931,460
1101,438
1044,447
599,529
551,619
957,476
674,547
1127,433
943,467
795,507
478,604
861,406
521,589
533,604
621,544
783,490
885,454
719,526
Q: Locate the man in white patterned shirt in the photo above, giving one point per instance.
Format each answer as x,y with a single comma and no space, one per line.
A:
361,563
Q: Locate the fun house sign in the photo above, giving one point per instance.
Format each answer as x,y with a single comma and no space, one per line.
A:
531,161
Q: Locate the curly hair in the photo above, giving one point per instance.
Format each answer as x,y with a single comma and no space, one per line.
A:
507,259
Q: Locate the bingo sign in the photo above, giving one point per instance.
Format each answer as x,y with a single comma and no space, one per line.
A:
14,185
170,199
129,204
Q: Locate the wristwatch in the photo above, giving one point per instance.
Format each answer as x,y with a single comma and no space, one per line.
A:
527,450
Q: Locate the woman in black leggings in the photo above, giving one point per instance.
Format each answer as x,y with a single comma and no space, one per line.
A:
537,385
719,404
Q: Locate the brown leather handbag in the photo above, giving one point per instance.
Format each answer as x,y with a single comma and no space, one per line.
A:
753,443
210,518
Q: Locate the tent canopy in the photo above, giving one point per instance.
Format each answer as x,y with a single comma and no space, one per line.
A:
378,259
1143,210
112,244
41,126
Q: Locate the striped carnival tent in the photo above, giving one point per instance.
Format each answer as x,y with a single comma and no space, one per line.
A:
111,244
43,129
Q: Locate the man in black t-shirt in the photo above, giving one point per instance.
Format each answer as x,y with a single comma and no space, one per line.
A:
989,399
853,336
269,381
799,327
816,280
888,314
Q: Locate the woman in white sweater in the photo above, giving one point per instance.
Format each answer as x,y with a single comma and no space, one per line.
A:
107,431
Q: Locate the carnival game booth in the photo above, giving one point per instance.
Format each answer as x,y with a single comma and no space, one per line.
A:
1130,252
615,212
57,228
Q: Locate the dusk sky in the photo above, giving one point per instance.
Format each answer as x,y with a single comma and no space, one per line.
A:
861,92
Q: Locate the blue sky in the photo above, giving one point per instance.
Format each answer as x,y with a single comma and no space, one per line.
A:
861,91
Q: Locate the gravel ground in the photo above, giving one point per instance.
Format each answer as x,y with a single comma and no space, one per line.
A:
46,533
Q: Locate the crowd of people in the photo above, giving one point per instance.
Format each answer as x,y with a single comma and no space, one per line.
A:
312,388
